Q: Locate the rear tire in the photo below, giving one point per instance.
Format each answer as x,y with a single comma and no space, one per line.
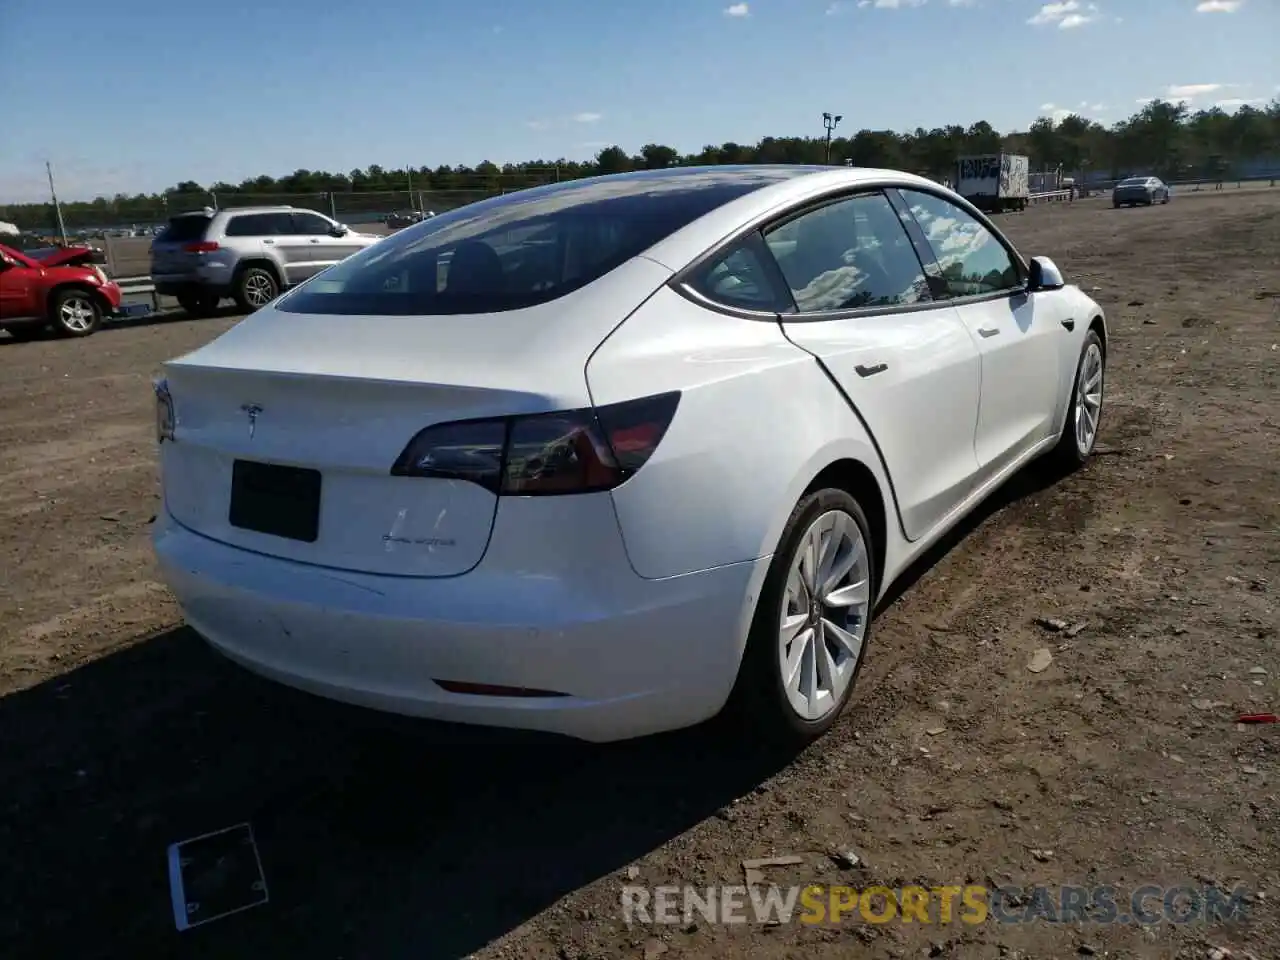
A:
796,622
255,288
1080,432
74,313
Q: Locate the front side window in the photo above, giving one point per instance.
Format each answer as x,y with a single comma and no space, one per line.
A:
310,225
972,259
526,248
848,255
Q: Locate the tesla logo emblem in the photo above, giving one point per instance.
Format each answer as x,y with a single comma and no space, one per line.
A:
252,409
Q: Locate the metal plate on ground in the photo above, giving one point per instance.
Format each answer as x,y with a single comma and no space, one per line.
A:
215,875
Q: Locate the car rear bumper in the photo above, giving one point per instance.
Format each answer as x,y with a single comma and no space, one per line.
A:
626,656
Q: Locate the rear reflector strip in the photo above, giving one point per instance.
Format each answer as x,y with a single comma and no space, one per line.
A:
492,690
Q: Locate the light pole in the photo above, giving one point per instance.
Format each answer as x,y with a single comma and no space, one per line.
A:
57,207
830,122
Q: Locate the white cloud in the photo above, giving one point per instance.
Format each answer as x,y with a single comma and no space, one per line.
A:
835,8
1143,101
896,4
587,117
1232,103
1189,91
737,10
1066,15
1219,6
961,3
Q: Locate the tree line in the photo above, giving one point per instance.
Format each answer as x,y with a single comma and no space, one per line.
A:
1167,139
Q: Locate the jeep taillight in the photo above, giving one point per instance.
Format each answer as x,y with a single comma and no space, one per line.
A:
570,451
201,246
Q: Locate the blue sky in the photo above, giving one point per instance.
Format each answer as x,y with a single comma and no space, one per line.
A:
135,95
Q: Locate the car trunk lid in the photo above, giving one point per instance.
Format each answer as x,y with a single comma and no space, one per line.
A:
340,397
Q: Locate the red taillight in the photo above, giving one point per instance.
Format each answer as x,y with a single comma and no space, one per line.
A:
201,246
571,451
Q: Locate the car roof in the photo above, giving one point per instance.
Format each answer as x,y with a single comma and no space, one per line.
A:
279,208
790,185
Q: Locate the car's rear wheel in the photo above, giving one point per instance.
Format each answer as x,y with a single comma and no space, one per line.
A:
812,623
198,304
256,288
1084,412
74,313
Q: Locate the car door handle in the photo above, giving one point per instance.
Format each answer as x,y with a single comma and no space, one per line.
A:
268,242
315,239
985,332
870,371
1069,323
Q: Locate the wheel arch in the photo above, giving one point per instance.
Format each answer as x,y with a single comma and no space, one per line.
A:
1099,325
859,481
265,263
59,288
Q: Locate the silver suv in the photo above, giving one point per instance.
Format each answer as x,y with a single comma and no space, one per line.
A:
248,253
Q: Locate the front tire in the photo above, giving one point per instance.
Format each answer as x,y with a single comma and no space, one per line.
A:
256,288
1084,412
812,623
74,313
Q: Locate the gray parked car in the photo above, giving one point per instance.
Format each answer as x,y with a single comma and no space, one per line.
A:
248,254
1139,190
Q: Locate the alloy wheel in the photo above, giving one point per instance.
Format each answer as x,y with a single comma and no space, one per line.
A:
77,314
826,606
258,289
1088,399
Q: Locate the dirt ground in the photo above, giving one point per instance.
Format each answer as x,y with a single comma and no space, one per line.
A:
1120,764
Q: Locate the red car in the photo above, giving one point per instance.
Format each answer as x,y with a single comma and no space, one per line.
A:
64,289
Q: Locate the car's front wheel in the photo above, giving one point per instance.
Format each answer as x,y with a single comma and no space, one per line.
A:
812,623
75,313
1084,411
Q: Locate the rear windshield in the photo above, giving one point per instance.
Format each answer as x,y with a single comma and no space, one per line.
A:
184,229
526,248
1134,182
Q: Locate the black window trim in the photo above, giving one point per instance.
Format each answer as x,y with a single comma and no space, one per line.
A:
1020,265
775,219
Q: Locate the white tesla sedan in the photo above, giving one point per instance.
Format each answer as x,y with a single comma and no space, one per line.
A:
602,458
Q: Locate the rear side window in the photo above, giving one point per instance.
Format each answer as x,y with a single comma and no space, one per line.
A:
260,225
523,249
184,229
742,277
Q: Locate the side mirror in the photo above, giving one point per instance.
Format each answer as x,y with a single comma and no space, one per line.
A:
1044,275
6,263
340,230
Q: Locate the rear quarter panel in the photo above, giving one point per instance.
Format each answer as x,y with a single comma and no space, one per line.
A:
757,421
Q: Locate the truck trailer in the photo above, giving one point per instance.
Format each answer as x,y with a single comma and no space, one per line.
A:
995,182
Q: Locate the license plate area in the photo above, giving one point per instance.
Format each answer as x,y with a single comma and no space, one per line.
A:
276,500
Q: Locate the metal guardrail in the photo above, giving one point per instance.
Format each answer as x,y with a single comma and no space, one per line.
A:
1049,196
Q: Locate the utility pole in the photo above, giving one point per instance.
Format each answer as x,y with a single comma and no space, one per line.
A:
409,173
62,227
830,122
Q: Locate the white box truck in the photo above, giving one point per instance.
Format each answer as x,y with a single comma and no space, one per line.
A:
995,182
